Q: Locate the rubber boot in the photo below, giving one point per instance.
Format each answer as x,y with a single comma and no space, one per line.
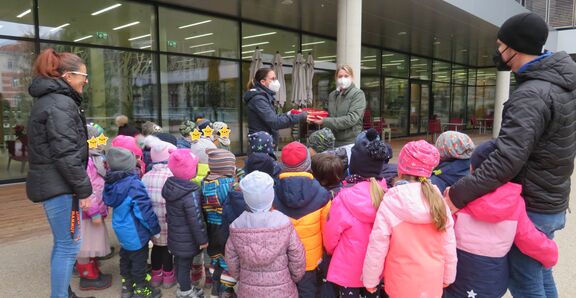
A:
91,278
156,280
168,279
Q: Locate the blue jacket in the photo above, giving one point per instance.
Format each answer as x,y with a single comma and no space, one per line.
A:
449,172
133,219
233,207
297,195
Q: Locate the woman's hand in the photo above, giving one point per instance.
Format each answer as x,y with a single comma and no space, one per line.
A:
313,119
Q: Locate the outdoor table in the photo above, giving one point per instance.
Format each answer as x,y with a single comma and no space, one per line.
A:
455,125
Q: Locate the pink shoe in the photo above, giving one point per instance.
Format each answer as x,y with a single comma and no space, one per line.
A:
196,275
168,279
157,278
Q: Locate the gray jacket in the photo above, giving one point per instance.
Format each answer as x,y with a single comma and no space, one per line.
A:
346,114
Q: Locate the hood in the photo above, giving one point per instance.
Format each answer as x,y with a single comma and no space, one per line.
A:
408,204
258,90
117,187
42,86
497,205
558,69
260,238
298,194
357,200
176,188
453,170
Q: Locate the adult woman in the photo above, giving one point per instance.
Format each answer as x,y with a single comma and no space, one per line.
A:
260,102
58,155
346,107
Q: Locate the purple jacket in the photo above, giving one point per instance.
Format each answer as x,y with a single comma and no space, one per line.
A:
265,255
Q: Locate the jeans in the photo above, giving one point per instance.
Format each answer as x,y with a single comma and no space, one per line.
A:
183,273
134,265
66,242
528,278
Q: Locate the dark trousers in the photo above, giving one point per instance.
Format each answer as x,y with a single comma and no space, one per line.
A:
357,292
308,285
161,258
133,265
183,266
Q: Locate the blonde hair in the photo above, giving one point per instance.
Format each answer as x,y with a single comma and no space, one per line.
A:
376,192
121,120
345,67
434,199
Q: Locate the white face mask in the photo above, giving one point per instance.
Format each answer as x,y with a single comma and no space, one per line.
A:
344,82
274,86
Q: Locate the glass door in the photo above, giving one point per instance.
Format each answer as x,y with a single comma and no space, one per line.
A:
419,106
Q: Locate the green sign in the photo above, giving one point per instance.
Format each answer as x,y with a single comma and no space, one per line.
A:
172,43
101,35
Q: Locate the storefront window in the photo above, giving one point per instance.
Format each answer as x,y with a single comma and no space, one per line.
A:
420,68
269,41
17,18
441,96
323,50
370,79
441,71
395,105
394,64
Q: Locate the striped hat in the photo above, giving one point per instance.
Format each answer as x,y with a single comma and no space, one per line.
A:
222,163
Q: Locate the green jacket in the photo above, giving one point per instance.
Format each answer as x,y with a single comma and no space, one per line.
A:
346,114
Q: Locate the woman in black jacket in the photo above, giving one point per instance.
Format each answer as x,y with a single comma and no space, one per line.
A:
259,100
58,155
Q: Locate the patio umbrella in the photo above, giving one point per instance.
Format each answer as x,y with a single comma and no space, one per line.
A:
256,63
277,67
309,70
299,81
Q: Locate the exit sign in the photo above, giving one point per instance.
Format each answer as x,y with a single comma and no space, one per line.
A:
172,43
101,35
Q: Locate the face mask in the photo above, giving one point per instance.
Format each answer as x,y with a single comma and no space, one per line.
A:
274,86
344,82
501,65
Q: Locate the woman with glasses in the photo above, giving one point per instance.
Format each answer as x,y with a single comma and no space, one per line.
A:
58,155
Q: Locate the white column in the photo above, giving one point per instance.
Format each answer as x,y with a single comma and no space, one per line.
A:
349,35
502,94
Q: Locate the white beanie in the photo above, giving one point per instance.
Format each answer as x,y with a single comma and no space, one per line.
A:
258,190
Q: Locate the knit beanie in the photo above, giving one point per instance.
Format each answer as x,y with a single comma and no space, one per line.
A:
94,130
322,140
525,33
183,164
454,145
296,158
199,149
187,127
262,141
369,154
120,159
222,163
166,137
160,151
258,190
481,153
418,158
217,127
259,162
127,142
149,128
203,124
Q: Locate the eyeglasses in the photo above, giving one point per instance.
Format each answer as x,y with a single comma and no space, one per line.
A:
78,73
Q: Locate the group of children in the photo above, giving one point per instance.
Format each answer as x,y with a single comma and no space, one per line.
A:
317,222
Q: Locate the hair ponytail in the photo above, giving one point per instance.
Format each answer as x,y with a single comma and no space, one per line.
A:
436,203
376,193
53,64
260,75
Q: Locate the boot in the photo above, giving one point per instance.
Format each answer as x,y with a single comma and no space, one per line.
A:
146,291
156,280
168,279
91,278
196,275
127,288
72,295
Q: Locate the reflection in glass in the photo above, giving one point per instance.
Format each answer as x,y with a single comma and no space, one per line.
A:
17,18
323,50
394,64
419,101
370,79
441,95
420,68
395,105
269,41
441,71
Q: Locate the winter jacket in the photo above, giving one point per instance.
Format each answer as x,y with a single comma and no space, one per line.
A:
537,142
449,172
133,218
201,173
405,247
346,109
346,233
262,114
128,130
485,230
265,255
147,159
57,147
183,143
97,206
214,195
233,207
302,198
186,227
154,181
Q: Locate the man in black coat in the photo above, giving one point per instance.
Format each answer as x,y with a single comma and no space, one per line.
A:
536,145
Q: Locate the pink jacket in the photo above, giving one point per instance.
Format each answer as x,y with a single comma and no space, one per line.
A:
406,249
346,233
97,206
490,224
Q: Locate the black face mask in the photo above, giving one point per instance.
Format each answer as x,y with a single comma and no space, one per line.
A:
502,65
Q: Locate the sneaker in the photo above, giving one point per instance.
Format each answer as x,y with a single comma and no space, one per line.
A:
127,289
146,291
192,293
168,279
157,277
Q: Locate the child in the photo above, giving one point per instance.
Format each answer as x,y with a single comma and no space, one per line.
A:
133,221
162,264
129,143
186,233
262,142
220,141
347,230
300,197
95,241
485,230
264,251
320,141
215,189
327,169
455,150
186,128
412,243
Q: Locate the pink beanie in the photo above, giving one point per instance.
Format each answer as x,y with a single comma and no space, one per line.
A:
160,151
418,158
183,164
128,143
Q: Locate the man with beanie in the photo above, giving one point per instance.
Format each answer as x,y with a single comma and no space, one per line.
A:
186,232
536,145
264,241
133,221
302,198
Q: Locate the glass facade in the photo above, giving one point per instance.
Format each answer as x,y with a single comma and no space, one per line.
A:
160,63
